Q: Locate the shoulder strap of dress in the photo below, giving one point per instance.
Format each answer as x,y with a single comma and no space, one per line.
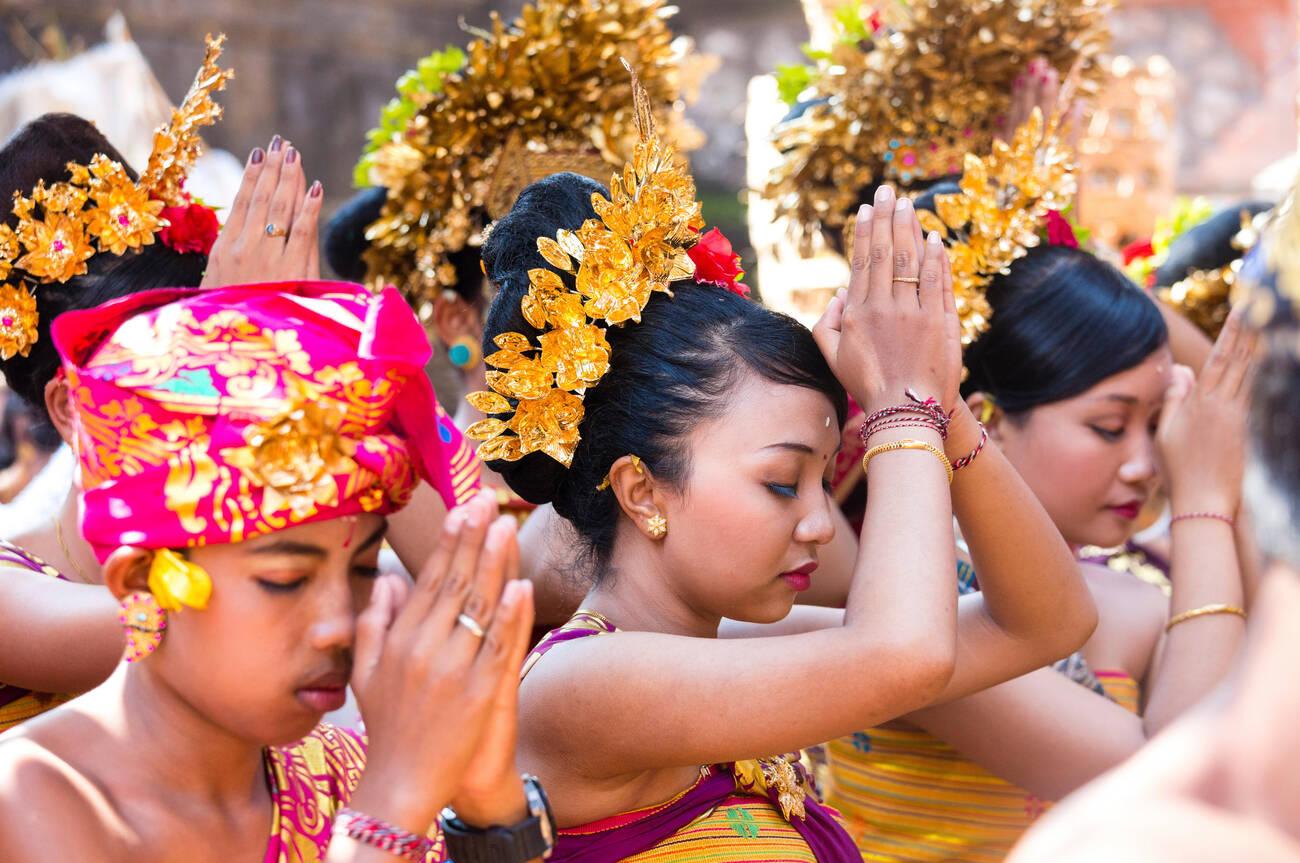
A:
584,623
12,555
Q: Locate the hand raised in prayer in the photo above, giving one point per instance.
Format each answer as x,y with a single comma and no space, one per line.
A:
1202,432
437,691
895,328
270,234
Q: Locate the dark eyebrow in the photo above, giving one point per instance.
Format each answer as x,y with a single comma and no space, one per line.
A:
1116,397
375,538
289,547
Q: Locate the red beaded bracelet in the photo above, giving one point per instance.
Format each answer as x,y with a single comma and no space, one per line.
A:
971,456
382,835
926,413
1216,516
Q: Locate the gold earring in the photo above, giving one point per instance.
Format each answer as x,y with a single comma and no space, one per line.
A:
657,525
986,410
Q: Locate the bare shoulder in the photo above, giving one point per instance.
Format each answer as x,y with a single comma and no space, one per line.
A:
1131,617
39,789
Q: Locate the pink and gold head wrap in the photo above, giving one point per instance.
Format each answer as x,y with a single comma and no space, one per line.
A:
217,416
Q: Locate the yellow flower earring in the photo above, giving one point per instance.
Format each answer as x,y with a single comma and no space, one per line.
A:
657,526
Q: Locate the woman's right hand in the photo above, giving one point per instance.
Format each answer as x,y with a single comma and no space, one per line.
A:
273,196
426,684
883,336
1202,432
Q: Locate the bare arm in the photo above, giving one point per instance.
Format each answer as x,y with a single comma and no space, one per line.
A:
56,636
636,701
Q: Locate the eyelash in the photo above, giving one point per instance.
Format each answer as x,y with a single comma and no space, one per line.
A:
281,586
787,491
370,572
1108,435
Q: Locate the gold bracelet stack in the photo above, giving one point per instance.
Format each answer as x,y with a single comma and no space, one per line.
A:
908,443
1217,608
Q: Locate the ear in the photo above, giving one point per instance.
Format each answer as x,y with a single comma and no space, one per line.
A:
986,410
634,486
455,317
58,403
127,571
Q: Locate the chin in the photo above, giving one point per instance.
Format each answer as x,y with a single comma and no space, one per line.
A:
1110,532
770,610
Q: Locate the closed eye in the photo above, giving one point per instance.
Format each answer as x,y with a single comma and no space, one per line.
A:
786,491
281,586
1110,435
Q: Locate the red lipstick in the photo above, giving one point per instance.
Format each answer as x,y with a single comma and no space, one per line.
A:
325,693
800,579
1127,511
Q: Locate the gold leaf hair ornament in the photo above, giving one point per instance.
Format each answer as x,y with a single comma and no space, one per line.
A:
1010,202
643,240
903,94
471,129
100,210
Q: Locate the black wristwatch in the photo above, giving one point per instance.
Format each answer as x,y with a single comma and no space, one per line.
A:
529,839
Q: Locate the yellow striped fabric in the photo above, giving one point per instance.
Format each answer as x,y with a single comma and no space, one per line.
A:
908,797
742,829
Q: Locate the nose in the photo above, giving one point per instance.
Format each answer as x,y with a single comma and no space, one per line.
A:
1140,465
818,526
334,623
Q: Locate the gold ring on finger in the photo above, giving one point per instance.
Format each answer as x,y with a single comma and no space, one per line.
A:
274,230
911,280
471,624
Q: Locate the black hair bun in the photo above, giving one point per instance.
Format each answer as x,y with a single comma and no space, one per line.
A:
557,201
1207,246
345,234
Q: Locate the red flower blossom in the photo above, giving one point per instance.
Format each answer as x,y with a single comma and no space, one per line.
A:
192,228
1139,249
1059,230
717,264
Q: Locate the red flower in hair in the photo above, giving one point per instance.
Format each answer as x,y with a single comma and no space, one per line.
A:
1140,249
1059,230
717,264
191,228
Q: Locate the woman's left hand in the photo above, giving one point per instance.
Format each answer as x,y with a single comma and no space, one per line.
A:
271,233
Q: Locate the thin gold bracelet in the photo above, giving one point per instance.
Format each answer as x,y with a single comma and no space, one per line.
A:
908,443
1216,608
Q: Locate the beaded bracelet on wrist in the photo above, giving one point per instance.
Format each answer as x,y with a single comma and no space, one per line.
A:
382,835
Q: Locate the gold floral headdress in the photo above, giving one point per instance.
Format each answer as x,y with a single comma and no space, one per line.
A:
1008,200
1205,296
99,209
903,94
471,129
638,246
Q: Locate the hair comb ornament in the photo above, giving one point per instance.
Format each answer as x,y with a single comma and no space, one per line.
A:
100,210
540,95
905,90
641,243
1003,210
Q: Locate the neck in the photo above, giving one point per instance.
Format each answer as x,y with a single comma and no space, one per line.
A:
640,595
166,743
76,560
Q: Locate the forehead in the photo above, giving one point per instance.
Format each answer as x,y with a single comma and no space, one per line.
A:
1144,383
760,412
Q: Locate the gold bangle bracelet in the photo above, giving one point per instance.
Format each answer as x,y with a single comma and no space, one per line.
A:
908,443
1217,608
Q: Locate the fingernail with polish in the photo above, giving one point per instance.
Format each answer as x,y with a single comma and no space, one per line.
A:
315,189
291,156
258,155
276,143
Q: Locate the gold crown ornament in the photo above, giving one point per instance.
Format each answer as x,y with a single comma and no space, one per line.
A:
1010,201
647,236
470,129
99,209
904,92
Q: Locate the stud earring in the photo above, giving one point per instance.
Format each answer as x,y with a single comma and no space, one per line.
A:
144,621
464,353
657,525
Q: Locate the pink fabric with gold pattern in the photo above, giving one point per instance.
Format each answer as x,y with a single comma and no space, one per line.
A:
217,416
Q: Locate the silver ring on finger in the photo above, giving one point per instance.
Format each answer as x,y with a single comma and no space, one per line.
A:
274,230
471,624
